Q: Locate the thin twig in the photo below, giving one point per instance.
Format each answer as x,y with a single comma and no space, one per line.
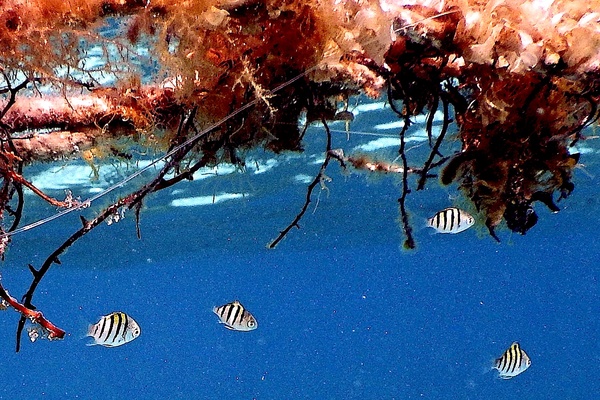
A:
435,149
13,94
430,117
409,242
18,212
318,179
34,316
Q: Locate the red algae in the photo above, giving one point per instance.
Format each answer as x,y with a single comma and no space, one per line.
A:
519,76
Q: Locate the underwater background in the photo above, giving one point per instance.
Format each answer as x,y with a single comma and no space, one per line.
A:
344,312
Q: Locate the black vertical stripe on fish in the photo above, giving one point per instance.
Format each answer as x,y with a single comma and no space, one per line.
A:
512,359
126,324
232,308
105,329
229,309
110,327
102,329
239,312
119,317
236,314
517,357
443,220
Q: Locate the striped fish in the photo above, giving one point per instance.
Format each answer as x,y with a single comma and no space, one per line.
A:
512,362
114,330
451,220
235,317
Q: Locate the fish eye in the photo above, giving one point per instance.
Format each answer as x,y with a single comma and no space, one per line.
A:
251,323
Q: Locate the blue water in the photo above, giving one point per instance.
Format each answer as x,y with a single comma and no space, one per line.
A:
343,311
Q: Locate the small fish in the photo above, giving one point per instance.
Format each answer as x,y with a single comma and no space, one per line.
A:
451,220
513,362
236,317
114,330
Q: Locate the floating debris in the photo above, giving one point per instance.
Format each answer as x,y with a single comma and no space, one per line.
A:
343,116
363,162
117,216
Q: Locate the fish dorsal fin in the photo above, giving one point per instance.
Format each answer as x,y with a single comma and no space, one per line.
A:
237,303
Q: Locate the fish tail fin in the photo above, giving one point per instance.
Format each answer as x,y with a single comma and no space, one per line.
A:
90,330
87,335
87,332
418,220
423,224
490,366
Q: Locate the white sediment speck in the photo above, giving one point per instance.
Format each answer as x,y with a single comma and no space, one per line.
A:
419,119
63,177
583,149
302,178
206,200
260,167
380,143
380,105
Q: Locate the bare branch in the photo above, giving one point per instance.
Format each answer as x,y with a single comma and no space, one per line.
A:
435,149
318,180
409,242
34,316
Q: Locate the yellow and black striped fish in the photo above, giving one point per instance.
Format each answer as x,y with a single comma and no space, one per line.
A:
114,330
451,220
235,317
513,362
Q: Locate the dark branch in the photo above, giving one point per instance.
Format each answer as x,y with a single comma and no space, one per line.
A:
430,117
13,94
318,180
435,150
409,242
